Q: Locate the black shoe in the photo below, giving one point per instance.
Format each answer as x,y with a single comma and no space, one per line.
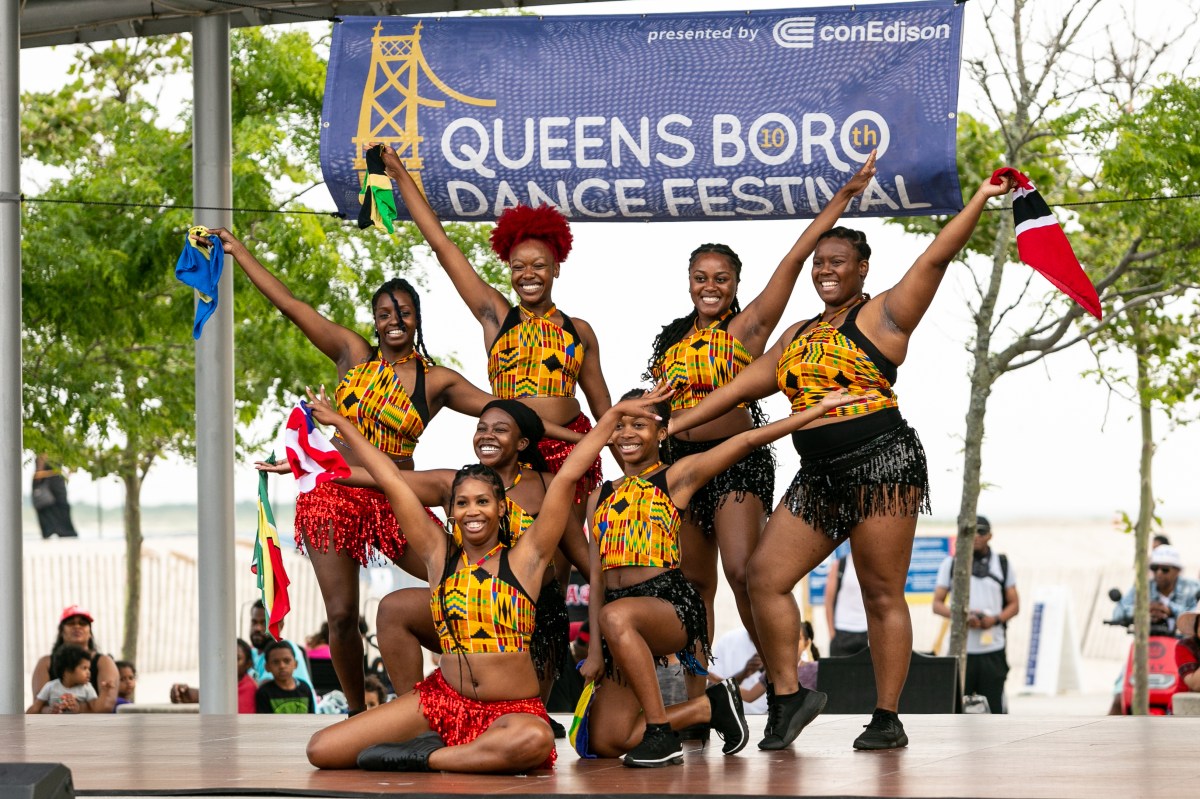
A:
789,715
695,732
408,756
559,730
660,746
884,732
768,731
728,717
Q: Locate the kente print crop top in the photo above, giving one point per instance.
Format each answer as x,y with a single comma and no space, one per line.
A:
372,397
483,613
823,358
637,524
533,357
700,363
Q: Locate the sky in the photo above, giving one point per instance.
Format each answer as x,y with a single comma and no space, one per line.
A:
1058,444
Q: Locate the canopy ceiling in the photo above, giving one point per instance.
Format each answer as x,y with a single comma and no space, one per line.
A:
49,22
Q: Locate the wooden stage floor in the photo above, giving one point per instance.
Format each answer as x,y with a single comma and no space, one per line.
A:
949,755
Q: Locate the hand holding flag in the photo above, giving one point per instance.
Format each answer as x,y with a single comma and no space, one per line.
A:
312,458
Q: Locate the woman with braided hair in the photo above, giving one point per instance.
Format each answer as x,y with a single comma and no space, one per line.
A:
704,350
536,353
863,474
389,391
480,711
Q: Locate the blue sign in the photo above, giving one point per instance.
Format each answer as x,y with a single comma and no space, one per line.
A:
714,116
927,556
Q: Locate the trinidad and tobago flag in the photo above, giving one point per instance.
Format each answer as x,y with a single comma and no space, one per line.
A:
1042,244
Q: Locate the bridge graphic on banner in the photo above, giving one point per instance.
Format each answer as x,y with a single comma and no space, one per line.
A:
391,99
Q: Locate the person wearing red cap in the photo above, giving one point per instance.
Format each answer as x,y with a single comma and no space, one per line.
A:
536,353
75,629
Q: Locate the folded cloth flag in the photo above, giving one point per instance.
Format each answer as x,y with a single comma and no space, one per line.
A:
312,458
1042,244
578,734
199,266
268,562
378,201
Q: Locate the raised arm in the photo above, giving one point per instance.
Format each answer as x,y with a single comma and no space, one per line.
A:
906,303
755,382
688,475
452,390
758,319
339,344
420,531
486,303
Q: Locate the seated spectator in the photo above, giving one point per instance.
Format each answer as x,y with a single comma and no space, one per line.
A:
283,693
807,656
1170,594
317,644
1187,650
75,628
72,692
734,656
376,693
126,682
564,696
247,688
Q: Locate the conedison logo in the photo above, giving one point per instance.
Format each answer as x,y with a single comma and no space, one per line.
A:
795,32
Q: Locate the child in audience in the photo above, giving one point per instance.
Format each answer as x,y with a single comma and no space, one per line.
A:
376,693
285,693
126,683
73,691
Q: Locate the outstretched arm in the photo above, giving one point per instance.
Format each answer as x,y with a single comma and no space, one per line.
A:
758,319
591,376
688,475
486,303
907,302
420,531
755,382
339,344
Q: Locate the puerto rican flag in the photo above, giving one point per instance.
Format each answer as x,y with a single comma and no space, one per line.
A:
312,458
1042,244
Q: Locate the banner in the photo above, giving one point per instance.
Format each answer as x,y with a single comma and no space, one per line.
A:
730,115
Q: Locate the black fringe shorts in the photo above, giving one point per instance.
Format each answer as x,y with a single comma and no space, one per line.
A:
853,470
670,586
753,474
548,646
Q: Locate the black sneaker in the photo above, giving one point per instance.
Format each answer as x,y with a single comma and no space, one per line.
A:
408,756
559,730
768,730
660,746
728,717
884,732
696,732
789,715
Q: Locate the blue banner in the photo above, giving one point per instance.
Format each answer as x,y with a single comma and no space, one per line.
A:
729,115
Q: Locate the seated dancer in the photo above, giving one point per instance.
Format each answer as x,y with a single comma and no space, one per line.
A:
480,711
536,353
863,474
640,602
389,391
505,441
697,354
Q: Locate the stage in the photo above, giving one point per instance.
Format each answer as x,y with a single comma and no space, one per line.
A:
949,755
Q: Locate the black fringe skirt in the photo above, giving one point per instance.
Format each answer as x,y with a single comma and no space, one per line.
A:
850,471
671,586
753,474
549,647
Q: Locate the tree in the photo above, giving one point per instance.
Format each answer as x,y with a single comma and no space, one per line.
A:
1028,88
108,355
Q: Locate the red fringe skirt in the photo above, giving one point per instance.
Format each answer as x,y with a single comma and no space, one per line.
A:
359,521
460,720
555,452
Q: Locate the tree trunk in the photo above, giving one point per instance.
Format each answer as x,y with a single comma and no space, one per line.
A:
131,476
1141,538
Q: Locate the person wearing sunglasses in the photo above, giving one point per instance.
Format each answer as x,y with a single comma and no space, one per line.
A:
1171,594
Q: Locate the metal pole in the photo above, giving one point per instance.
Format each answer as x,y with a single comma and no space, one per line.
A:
12,619
212,177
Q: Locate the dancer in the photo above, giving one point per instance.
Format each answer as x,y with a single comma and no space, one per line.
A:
703,351
505,440
863,474
480,711
641,602
390,390
536,353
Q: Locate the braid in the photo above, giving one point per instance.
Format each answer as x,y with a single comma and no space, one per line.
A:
857,239
399,284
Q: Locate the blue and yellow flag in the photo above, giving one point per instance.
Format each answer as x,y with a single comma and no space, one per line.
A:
268,561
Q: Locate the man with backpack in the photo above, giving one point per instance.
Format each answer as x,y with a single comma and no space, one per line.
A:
993,603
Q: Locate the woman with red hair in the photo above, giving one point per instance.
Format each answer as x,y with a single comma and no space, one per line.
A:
536,353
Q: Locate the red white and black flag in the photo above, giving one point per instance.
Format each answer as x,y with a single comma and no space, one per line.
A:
1042,244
